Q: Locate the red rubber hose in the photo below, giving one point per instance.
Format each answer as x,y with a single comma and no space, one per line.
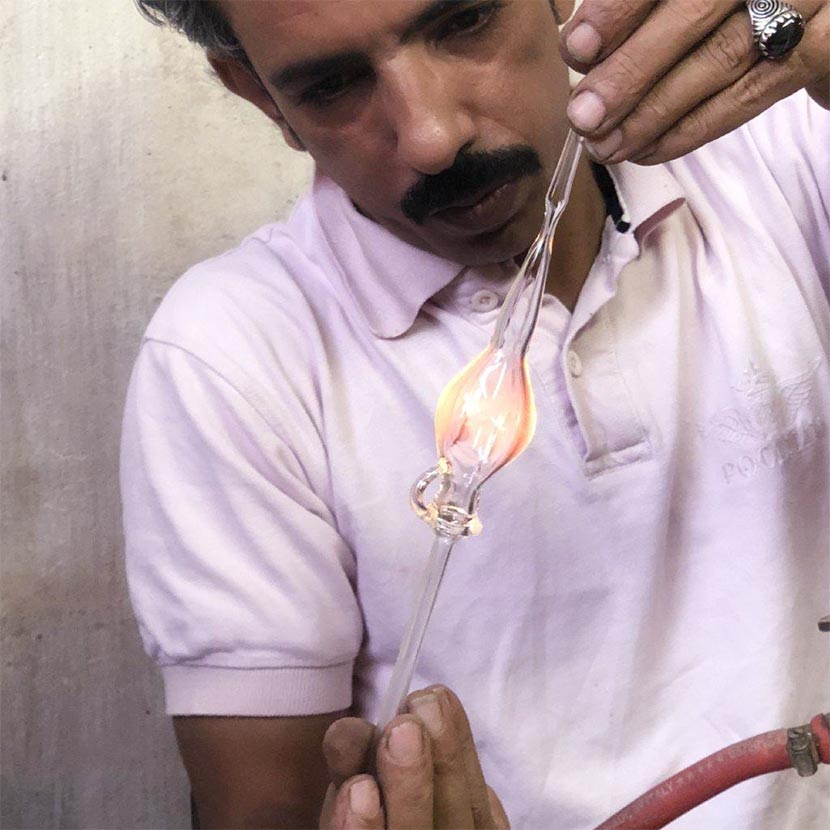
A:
820,727
714,774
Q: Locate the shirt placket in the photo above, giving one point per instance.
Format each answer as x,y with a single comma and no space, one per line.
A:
577,359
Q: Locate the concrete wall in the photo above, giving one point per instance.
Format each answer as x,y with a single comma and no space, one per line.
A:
121,162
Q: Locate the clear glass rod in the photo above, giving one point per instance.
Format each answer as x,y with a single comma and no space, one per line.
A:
414,635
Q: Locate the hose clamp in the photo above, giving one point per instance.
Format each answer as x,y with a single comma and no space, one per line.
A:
801,747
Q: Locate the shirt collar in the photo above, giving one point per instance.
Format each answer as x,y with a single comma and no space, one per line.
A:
389,280
647,195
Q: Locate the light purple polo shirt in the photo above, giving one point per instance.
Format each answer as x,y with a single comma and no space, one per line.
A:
651,570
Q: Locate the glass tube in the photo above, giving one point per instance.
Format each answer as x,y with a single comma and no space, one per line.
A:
484,419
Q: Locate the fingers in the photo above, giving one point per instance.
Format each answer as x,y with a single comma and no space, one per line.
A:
613,89
476,785
499,816
763,85
451,795
679,73
346,746
427,768
723,57
404,762
356,807
598,27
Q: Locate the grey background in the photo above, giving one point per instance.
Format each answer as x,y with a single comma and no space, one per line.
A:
121,163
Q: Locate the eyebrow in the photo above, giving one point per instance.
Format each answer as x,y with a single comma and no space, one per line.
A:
312,68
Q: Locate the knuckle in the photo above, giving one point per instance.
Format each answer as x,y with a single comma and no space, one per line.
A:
625,9
751,90
415,795
728,52
448,758
799,66
608,14
769,81
623,76
693,11
654,111
686,135
689,130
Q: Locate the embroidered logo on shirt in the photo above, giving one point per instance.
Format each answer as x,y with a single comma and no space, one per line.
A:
768,426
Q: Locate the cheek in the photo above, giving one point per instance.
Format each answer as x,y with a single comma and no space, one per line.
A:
353,154
527,88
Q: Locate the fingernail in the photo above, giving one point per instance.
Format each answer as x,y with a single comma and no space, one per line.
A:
364,799
607,146
586,111
583,43
428,709
405,744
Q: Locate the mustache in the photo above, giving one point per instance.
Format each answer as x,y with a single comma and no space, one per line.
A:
472,172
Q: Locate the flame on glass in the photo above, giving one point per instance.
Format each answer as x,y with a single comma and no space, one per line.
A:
486,415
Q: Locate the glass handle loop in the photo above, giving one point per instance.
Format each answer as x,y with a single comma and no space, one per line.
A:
416,494
441,514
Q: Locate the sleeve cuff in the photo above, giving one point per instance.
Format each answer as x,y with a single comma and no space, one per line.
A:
214,690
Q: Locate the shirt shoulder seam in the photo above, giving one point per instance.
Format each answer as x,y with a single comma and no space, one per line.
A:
248,394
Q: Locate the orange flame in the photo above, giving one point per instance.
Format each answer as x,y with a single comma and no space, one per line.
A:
486,415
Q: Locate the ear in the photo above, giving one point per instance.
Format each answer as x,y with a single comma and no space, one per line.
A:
241,81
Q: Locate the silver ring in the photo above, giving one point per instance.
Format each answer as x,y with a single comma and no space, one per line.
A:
777,27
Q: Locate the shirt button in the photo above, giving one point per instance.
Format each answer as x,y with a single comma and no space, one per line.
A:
484,300
574,364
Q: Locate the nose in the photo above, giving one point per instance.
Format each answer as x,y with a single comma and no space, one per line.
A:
425,109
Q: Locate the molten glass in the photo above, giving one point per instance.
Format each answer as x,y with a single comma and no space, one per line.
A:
484,419
486,416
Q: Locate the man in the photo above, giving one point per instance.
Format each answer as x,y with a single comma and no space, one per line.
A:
646,587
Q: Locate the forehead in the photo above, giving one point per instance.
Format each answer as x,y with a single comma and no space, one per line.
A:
292,28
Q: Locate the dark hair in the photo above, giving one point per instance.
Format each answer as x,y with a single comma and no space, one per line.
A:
201,21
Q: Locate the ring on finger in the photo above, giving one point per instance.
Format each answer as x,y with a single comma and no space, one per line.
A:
777,27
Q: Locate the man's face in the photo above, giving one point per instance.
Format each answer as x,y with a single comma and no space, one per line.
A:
441,120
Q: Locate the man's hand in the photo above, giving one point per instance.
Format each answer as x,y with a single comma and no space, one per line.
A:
425,771
666,76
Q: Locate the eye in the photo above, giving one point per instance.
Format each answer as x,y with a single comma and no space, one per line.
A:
469,20
329,89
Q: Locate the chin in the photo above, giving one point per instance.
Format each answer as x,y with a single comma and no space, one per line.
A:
501,245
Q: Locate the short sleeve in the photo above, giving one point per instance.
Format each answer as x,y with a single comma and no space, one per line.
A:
241,584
